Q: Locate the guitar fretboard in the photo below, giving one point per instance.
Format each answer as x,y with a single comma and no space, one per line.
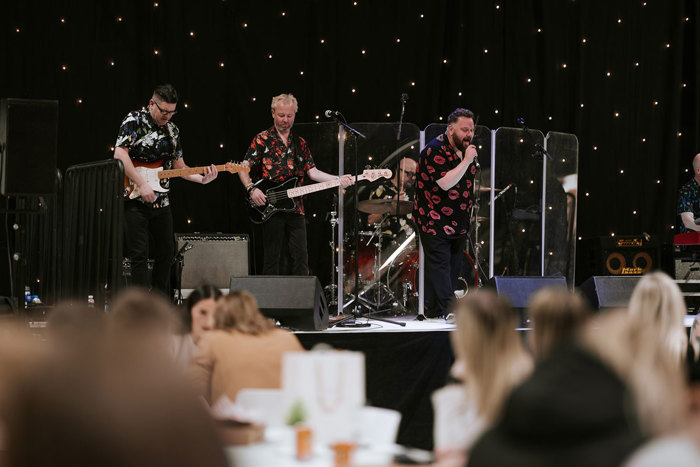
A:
306,189
193,170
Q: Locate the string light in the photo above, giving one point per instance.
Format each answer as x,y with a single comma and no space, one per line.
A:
155,52
323,41
617,114
221,64
495,111
353,90
444,60
398,40
64,67
17,30
221,145
155,5
284,13
364,51
529,80
186,105
191,33
63,20
459,93
413,83
421,16
79,101
301,72
584,40
608,74
245,25
486,51
119,19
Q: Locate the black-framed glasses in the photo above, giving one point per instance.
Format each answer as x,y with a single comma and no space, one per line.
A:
408,174
164,112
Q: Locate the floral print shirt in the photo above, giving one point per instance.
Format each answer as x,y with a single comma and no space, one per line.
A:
688,201
270,158
148,142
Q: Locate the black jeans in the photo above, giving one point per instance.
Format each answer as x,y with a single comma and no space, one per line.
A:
443,262
140,223
281,226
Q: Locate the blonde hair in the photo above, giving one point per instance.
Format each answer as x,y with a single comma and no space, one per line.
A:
239,311
556,315
631,348
491,350
284,99
658,303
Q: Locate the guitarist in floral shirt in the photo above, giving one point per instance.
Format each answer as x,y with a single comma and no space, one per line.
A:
278,155
147,137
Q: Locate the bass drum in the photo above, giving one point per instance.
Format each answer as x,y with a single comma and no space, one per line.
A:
364,259
402,276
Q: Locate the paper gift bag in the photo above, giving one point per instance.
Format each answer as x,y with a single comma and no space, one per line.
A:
327,389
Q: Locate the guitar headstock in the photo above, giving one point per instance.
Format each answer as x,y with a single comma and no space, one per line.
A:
375,174
235,167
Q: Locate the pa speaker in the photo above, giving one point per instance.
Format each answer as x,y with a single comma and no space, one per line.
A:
212,258
519,289
609,291
296,302
28,146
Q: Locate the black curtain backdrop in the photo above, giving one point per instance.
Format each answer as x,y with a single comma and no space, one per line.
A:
621,75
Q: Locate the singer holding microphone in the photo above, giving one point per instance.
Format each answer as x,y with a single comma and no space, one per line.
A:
442,206
278,155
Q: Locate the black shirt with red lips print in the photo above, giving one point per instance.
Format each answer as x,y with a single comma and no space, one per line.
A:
436,211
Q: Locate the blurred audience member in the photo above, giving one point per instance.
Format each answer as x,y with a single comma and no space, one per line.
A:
491,361
658,303
593,401
556,315
244,350
143,319
108,405
198,318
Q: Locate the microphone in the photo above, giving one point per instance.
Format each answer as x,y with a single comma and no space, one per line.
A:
503,191
404,97
333,114
521,121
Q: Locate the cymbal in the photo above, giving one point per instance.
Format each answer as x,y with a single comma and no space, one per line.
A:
385,206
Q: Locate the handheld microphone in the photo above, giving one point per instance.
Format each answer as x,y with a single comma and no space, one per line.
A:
333,114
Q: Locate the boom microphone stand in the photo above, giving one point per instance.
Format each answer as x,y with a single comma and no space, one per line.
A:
357,308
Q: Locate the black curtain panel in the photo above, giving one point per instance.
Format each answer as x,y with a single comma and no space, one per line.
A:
620,75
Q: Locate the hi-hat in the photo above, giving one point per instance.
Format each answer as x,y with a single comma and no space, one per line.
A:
385,206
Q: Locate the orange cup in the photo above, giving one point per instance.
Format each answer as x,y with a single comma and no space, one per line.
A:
303,442
343,453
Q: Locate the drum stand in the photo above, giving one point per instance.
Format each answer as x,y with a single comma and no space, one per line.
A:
378,296
374,297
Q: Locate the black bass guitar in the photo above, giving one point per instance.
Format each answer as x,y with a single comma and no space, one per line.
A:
280,197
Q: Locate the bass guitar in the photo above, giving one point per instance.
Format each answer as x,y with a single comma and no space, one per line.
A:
153,174
280,197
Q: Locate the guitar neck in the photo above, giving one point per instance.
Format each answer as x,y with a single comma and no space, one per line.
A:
306,189
187,171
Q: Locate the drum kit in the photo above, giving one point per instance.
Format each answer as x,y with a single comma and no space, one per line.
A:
387,268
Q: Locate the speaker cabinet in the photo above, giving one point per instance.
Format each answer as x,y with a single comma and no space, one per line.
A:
28,146
296,302
631,255
519,289
212,258
609,292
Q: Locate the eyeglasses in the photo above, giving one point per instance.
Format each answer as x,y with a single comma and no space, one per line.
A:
408,174
164,112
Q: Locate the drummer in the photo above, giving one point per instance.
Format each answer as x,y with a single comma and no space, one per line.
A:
399,187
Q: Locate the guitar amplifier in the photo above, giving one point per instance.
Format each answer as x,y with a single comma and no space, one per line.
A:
212,259
629,255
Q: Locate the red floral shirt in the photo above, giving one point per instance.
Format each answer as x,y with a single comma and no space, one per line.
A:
270,158
436,211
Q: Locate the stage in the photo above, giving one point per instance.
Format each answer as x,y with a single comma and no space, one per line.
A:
404,365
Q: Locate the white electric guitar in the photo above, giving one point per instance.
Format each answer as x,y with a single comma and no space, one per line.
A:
153,174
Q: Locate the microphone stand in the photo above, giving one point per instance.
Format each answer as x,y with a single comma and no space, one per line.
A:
356,313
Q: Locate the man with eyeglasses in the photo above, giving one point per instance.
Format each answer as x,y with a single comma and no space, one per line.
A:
442,206
147,137
400,186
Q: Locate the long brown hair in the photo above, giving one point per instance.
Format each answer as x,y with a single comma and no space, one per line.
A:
556,315
491,349
239,311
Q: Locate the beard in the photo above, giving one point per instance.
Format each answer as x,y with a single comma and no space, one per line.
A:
460,144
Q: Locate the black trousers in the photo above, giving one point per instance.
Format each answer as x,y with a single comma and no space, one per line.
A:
142,222
290,228
443,262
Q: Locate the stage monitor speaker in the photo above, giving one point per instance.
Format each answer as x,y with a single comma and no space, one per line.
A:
28,146
609,291
212,258
519,289
297,302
